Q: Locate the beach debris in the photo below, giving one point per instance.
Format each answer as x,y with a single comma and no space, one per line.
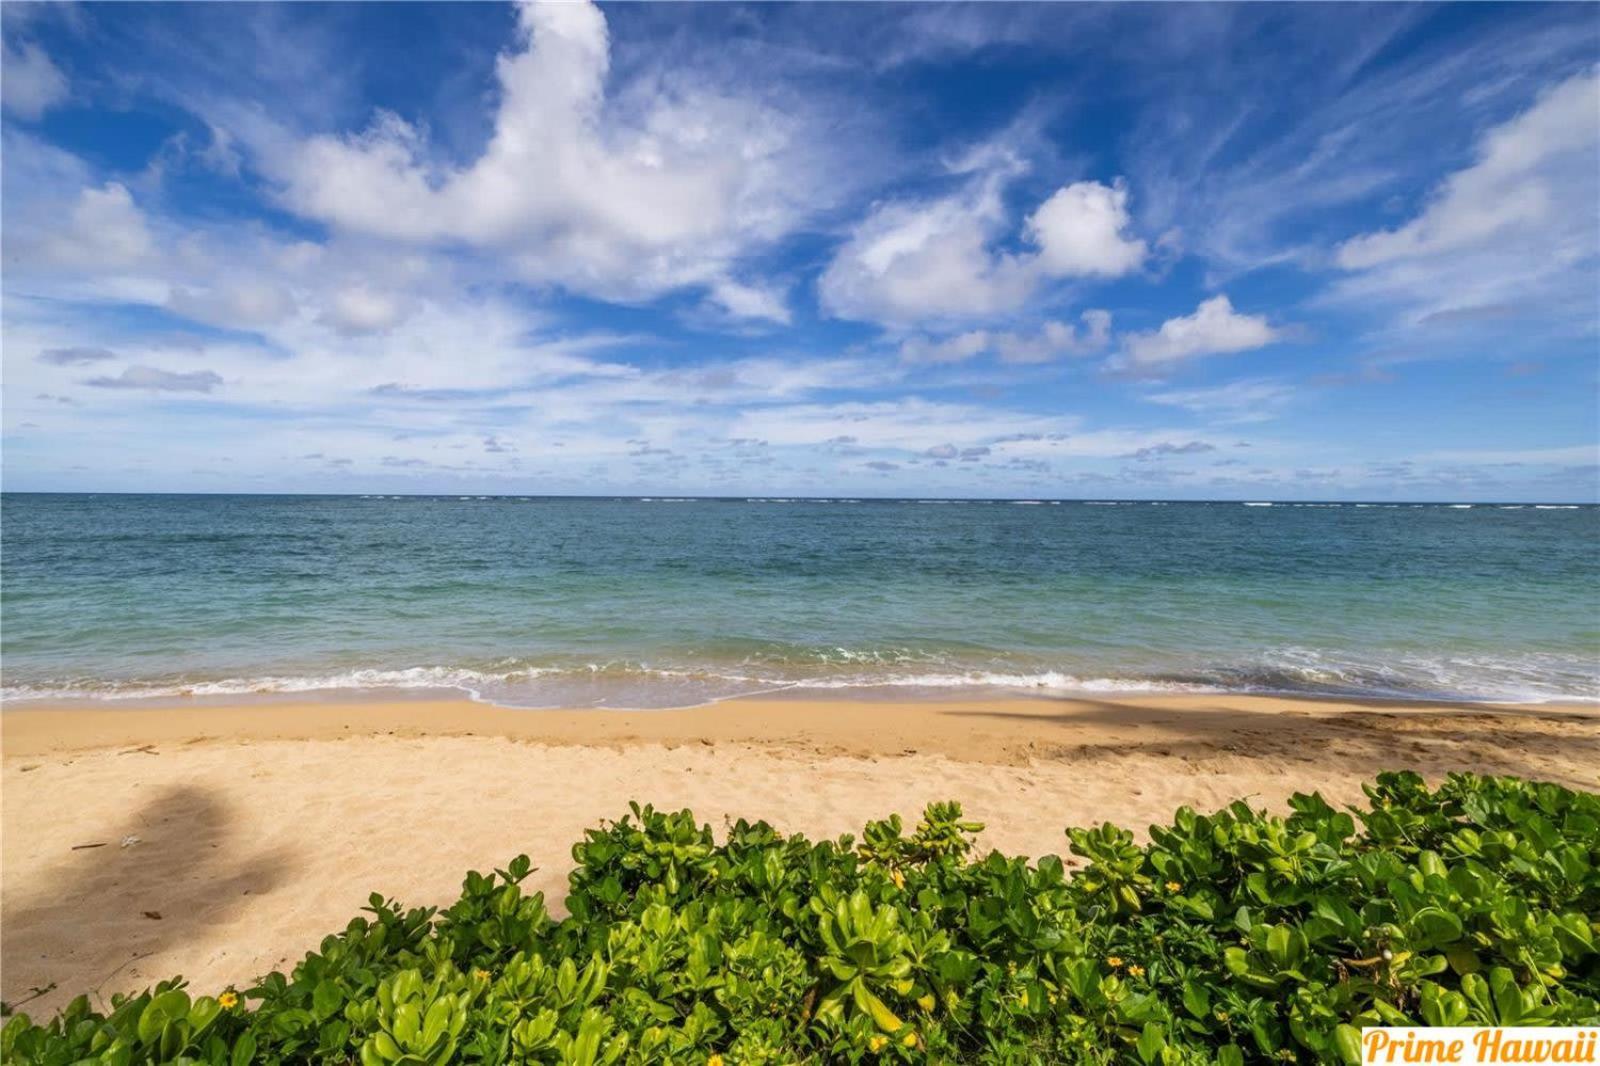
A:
85,847
30,766
143,749
154,916
130,840
8,1007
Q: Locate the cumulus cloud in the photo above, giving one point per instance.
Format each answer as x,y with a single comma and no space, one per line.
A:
909,262
1052,341
613,197
30,84
1082,229
154,380
1515,229
1215,327
76,356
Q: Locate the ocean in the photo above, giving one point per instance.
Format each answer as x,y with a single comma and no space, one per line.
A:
658,602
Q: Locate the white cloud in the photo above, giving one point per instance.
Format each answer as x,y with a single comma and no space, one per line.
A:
910,262
1052,341
1255,400
907,262
624,198
357,309
1214,328
103,230
1081,231
1518,225
31,84
1508,188
750,301
244,303
956,349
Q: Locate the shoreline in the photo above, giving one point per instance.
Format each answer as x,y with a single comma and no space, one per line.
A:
862,725
239,693
220,842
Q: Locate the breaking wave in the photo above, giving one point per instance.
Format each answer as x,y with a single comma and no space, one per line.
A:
622,684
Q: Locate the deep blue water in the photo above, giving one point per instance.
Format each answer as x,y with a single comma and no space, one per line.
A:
628,602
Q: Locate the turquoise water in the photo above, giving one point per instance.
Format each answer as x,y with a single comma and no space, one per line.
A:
654,603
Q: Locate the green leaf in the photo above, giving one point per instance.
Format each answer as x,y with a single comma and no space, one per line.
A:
1195,998
244,1049
204,1011
1150,1043
326,999
1347,1042
884,1018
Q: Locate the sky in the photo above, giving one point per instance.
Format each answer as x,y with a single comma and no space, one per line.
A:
1070,251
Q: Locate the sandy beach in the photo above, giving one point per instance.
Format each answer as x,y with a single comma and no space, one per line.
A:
222,841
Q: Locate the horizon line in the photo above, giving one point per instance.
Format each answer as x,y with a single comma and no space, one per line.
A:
796,498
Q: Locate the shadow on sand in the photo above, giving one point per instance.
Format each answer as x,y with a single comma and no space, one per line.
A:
186,870
1482,738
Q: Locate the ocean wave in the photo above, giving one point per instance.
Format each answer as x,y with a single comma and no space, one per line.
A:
1531,678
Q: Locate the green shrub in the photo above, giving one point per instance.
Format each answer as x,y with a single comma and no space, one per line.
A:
1232,937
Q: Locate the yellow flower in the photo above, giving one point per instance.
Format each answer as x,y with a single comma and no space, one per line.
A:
1173,886
898,878
1135,971
1113,961
926,1002
228,1000
910,1040
877,1043
482,975
715,1060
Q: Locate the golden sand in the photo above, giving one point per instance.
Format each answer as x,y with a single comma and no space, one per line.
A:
223,841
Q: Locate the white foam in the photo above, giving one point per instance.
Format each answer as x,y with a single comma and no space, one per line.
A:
1523,678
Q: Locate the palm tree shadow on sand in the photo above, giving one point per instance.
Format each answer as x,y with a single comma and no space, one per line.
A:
1481,738
104,907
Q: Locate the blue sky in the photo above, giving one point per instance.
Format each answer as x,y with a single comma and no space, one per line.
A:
1176,251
